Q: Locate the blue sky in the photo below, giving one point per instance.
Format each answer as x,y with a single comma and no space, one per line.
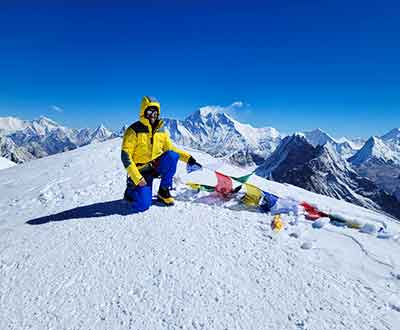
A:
296,65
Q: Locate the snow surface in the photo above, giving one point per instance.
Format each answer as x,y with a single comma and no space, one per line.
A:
72,256
5,163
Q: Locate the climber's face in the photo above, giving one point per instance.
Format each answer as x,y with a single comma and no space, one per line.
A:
151,113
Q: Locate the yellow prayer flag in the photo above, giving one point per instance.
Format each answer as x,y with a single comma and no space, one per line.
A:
253,195
194,186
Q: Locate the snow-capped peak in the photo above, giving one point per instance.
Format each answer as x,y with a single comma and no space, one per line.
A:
392,136
101,133
40,126
376,146
207,110
43,125
213,130
318,137
47,121
213,113
11,124
205,263
6,163
101,127
375,149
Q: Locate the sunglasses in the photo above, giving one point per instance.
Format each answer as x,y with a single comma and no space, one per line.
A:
151,112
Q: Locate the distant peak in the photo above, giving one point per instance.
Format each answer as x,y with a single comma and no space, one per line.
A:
395,130
9,118
393,134
215,112
317,137
375,146
44,119
101,128
209,109
318,130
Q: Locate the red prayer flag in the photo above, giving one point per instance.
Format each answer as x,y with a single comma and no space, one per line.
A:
224,184
312,213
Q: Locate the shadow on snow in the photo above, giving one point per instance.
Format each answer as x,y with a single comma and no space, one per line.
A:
123,208
97,210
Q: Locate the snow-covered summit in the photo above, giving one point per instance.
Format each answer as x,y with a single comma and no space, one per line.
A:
392,136
23,140
384,149
379,160
73,256
213,130
376,150
209,115
208,110
317,137
46,122
11,124
5,163
40,126
101,133
343,146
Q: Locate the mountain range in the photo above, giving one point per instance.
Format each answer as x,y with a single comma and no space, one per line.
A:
320,169
379,160
220,135
366,173
207,129
22,140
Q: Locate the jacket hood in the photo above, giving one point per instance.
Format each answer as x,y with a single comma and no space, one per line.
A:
149,101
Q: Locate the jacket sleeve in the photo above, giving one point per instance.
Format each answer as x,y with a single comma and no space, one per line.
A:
183,155
127,150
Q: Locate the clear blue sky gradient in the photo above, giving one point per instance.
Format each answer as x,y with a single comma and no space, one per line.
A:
297,64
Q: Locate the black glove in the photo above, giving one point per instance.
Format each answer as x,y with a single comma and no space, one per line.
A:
192,161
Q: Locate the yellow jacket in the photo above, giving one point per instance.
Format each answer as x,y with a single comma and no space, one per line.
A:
141,144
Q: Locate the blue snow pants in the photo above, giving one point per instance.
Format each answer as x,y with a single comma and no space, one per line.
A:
165,168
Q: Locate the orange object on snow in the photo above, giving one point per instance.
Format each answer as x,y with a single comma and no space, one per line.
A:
277,223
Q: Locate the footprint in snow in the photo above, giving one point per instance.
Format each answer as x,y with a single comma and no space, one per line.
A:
395,275
394,303
307,246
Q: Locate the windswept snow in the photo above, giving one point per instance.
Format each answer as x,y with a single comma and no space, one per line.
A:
73,257
5,163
